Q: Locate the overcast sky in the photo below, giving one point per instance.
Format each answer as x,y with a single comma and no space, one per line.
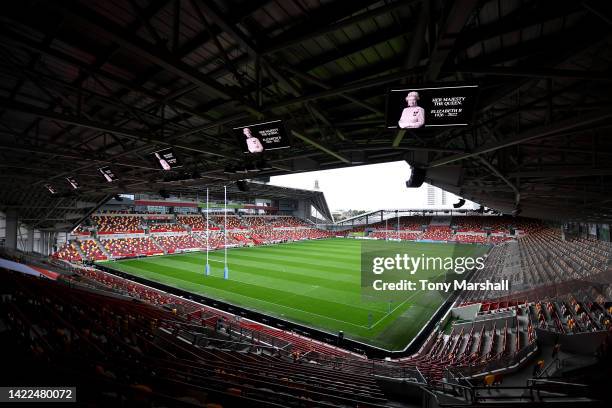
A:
370,187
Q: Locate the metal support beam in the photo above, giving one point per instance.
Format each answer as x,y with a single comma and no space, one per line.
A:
535,72
113,32
415,50
214,13
11,227
565,172
537,133
82,122
29,247
72,156
286,43
367,83
458,15
319,83
311,97
495,171
320,147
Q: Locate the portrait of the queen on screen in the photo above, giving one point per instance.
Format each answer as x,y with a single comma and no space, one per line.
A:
413,116
253,143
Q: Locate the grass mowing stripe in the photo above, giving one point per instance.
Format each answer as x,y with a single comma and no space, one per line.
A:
244,289
283,267
276,269
324,259
313,282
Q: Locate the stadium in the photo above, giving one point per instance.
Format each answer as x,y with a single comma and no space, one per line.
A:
148,257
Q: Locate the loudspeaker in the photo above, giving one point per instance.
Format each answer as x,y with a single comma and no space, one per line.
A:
242,185
459,203
416,178
448,175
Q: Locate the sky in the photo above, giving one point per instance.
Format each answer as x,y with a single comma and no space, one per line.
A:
369,187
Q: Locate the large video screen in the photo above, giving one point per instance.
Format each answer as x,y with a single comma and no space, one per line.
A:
108,174
73,182
51,189
261,137
166,159
421,107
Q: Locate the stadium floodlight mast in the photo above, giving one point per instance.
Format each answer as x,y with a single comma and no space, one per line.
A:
207,212
225,269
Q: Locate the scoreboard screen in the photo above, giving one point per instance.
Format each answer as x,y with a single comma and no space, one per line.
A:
420,108
166,159
261,137
73,182
51,189
108,174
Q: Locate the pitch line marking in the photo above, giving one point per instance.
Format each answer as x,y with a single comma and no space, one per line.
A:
298,310
272,303
394,309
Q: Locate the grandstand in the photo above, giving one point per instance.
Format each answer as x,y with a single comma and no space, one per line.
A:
483,331
148,259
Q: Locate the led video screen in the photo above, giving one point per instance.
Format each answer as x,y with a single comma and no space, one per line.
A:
73,182
261,137
108,174
166,159
424,107
51,189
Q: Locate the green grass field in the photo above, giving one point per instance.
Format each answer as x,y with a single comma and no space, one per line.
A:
315,283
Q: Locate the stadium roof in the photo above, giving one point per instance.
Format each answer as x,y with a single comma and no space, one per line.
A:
389,213
86,84
255,189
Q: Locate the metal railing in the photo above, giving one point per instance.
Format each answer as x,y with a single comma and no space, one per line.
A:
540,388
536,390
233,336
555,363
498,363
234,332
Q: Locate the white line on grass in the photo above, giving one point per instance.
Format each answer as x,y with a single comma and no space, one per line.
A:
394,309
260,300
293,308
227,290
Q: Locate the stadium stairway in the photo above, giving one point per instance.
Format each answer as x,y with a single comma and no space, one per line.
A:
210,316
157,244
447,350
521,387
76,246
104,251
348,383
135,345
200,238
301,344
